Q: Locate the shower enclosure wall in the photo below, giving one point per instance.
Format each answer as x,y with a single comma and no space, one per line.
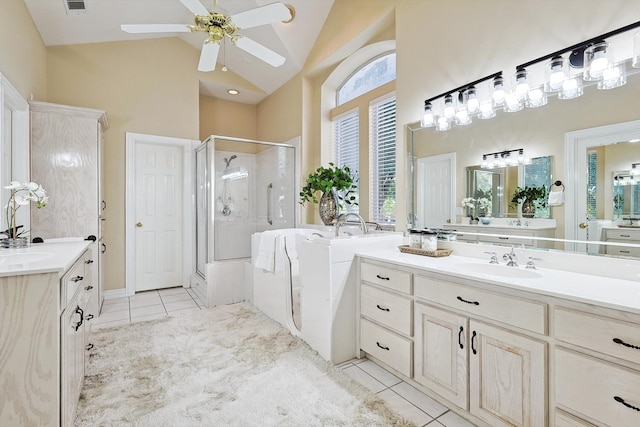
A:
242,187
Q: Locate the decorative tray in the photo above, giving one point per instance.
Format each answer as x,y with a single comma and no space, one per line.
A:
425,252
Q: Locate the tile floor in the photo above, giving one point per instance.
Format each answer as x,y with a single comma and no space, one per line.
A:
147,305
400,396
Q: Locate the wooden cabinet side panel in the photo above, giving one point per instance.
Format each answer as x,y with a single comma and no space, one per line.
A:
29,350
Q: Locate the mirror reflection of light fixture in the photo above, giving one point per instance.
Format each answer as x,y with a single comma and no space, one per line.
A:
634,169
501,159
566,73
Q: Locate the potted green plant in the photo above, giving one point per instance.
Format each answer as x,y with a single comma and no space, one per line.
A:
336,184
530,197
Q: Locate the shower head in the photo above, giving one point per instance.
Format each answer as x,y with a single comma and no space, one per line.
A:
228,161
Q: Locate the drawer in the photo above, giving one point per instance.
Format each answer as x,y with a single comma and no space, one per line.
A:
391,349
622,234
392,310
391,278
597,389
609,336
566,420
622,250
71,281
525,314
508,240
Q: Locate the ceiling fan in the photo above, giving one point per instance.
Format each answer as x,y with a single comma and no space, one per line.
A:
218,26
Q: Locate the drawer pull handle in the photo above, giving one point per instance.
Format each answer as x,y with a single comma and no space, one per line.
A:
468,302
460,337
619,341
81,313
89,316
625,235
381,277
89,261
89,346
621,400
382,308
77,278
503,238
381,346
88,288
624,252
473,336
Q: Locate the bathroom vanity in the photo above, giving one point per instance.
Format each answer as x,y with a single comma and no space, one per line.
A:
623,235
503,234
508,346
44,293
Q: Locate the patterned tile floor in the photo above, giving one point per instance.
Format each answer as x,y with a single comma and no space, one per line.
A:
399,396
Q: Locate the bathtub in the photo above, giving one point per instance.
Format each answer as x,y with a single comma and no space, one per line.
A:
275,271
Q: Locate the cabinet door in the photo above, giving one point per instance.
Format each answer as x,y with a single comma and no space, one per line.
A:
441,353
507,377
71,357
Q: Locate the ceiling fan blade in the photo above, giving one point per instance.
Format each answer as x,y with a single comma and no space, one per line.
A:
208,56
195,7
269,14
260,51
155,28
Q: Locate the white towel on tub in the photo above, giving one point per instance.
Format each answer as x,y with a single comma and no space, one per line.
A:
266,258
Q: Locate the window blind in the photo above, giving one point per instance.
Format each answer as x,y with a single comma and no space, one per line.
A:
346,151
382,155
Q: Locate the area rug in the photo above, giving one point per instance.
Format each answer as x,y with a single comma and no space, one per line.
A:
224,366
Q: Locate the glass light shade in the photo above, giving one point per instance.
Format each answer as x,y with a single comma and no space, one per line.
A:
596,60
612,77
462,116
555,73
484,163
521,84
571,88
428,118
635,61
536,98
498,92
473,103
443,124
486,110
521,156
634,170
448,109
512,103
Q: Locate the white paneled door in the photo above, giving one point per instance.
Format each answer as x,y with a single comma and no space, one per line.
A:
436,181
158,215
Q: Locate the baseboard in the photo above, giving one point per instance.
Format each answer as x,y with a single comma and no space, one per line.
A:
114,293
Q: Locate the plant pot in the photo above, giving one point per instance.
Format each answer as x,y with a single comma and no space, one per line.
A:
528,208
19,242
328,207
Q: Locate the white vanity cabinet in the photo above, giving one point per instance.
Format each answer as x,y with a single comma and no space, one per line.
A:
494,372
509,236
43,340
622,235
597,367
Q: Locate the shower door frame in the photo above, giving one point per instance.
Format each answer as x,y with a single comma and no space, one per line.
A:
210,145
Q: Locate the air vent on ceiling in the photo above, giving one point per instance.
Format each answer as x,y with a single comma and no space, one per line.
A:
75,7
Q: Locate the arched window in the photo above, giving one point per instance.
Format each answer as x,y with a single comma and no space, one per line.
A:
373,74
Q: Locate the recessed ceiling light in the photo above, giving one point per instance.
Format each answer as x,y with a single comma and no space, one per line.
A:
233,91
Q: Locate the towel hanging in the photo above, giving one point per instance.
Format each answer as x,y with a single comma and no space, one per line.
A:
556,197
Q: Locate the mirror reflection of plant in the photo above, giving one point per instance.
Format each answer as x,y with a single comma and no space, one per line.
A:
324,180
538,195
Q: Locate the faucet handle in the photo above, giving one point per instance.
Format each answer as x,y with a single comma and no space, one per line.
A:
494,257
530,265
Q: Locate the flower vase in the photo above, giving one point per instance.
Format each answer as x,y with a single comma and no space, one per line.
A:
18,242
528,208
328,207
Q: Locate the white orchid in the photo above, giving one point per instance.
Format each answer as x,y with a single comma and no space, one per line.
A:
22,193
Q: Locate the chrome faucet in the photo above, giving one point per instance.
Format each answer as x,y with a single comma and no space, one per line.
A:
511,258
340,220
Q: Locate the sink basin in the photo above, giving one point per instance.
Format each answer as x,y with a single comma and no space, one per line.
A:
23,258
499,270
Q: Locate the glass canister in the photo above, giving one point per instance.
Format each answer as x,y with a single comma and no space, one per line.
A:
415,239
429,240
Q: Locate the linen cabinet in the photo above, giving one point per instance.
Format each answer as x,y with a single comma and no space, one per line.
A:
66,159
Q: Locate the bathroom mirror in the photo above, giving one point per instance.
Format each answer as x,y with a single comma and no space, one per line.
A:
541,132
498,185
626,197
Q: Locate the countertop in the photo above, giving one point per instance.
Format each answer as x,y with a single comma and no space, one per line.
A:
608,292
55,255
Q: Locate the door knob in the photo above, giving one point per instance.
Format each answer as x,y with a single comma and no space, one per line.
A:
138,224
583,225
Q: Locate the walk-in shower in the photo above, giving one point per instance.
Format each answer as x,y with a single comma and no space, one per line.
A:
242,187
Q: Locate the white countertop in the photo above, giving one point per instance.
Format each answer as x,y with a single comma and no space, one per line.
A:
613,293
56,255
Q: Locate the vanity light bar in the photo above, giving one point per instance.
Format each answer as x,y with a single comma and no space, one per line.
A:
503,158
592,56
